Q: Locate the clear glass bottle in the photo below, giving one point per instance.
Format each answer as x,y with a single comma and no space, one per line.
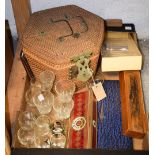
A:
58,139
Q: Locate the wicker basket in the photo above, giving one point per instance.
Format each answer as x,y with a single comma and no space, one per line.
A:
66,40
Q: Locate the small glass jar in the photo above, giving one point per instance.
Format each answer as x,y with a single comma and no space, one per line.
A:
27,119
46,79
26,137
42,125
62,109
43,100
58,139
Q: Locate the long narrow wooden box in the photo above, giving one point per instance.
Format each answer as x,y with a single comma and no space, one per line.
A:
134,119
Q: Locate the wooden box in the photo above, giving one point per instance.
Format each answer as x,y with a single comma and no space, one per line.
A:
16,87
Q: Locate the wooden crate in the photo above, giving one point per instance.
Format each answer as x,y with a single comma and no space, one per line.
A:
18,82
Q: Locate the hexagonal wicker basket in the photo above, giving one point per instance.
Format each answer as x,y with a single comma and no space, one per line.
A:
56,39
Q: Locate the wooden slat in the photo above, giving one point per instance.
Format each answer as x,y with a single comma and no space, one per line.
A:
16,87
8,53
8,66
134,119
22,12
7,143
114,22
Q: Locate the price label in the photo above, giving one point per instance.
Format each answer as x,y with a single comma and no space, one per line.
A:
41,98
99,91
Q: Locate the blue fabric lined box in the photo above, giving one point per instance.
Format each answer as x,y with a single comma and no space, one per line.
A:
110,127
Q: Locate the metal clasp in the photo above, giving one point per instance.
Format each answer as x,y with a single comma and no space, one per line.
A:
81,69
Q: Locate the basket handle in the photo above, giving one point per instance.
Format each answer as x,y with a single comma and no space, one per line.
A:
61,38
83,22
74,34
27,67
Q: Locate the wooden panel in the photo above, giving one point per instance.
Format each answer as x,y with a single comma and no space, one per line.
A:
8,53
134,119
22,12
16,87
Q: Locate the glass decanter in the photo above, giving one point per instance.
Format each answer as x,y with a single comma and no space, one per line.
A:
58,139
43,100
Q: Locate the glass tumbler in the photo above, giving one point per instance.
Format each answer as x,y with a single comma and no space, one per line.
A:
43,100
42,125
32,90
65,90
62,109
46,79
26,137
27,119
43,141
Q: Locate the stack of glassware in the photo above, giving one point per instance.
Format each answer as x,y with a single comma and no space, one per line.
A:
37,129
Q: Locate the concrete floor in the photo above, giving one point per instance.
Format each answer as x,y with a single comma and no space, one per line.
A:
144,47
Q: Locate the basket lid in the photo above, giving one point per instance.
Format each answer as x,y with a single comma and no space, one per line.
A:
55,35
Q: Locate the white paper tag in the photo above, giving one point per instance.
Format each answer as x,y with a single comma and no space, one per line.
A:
40,97
99,91
128,28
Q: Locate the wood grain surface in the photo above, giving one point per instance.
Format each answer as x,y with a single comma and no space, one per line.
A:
22,12
16,87
134,119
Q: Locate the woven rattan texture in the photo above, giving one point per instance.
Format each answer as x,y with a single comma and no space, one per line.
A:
43,47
